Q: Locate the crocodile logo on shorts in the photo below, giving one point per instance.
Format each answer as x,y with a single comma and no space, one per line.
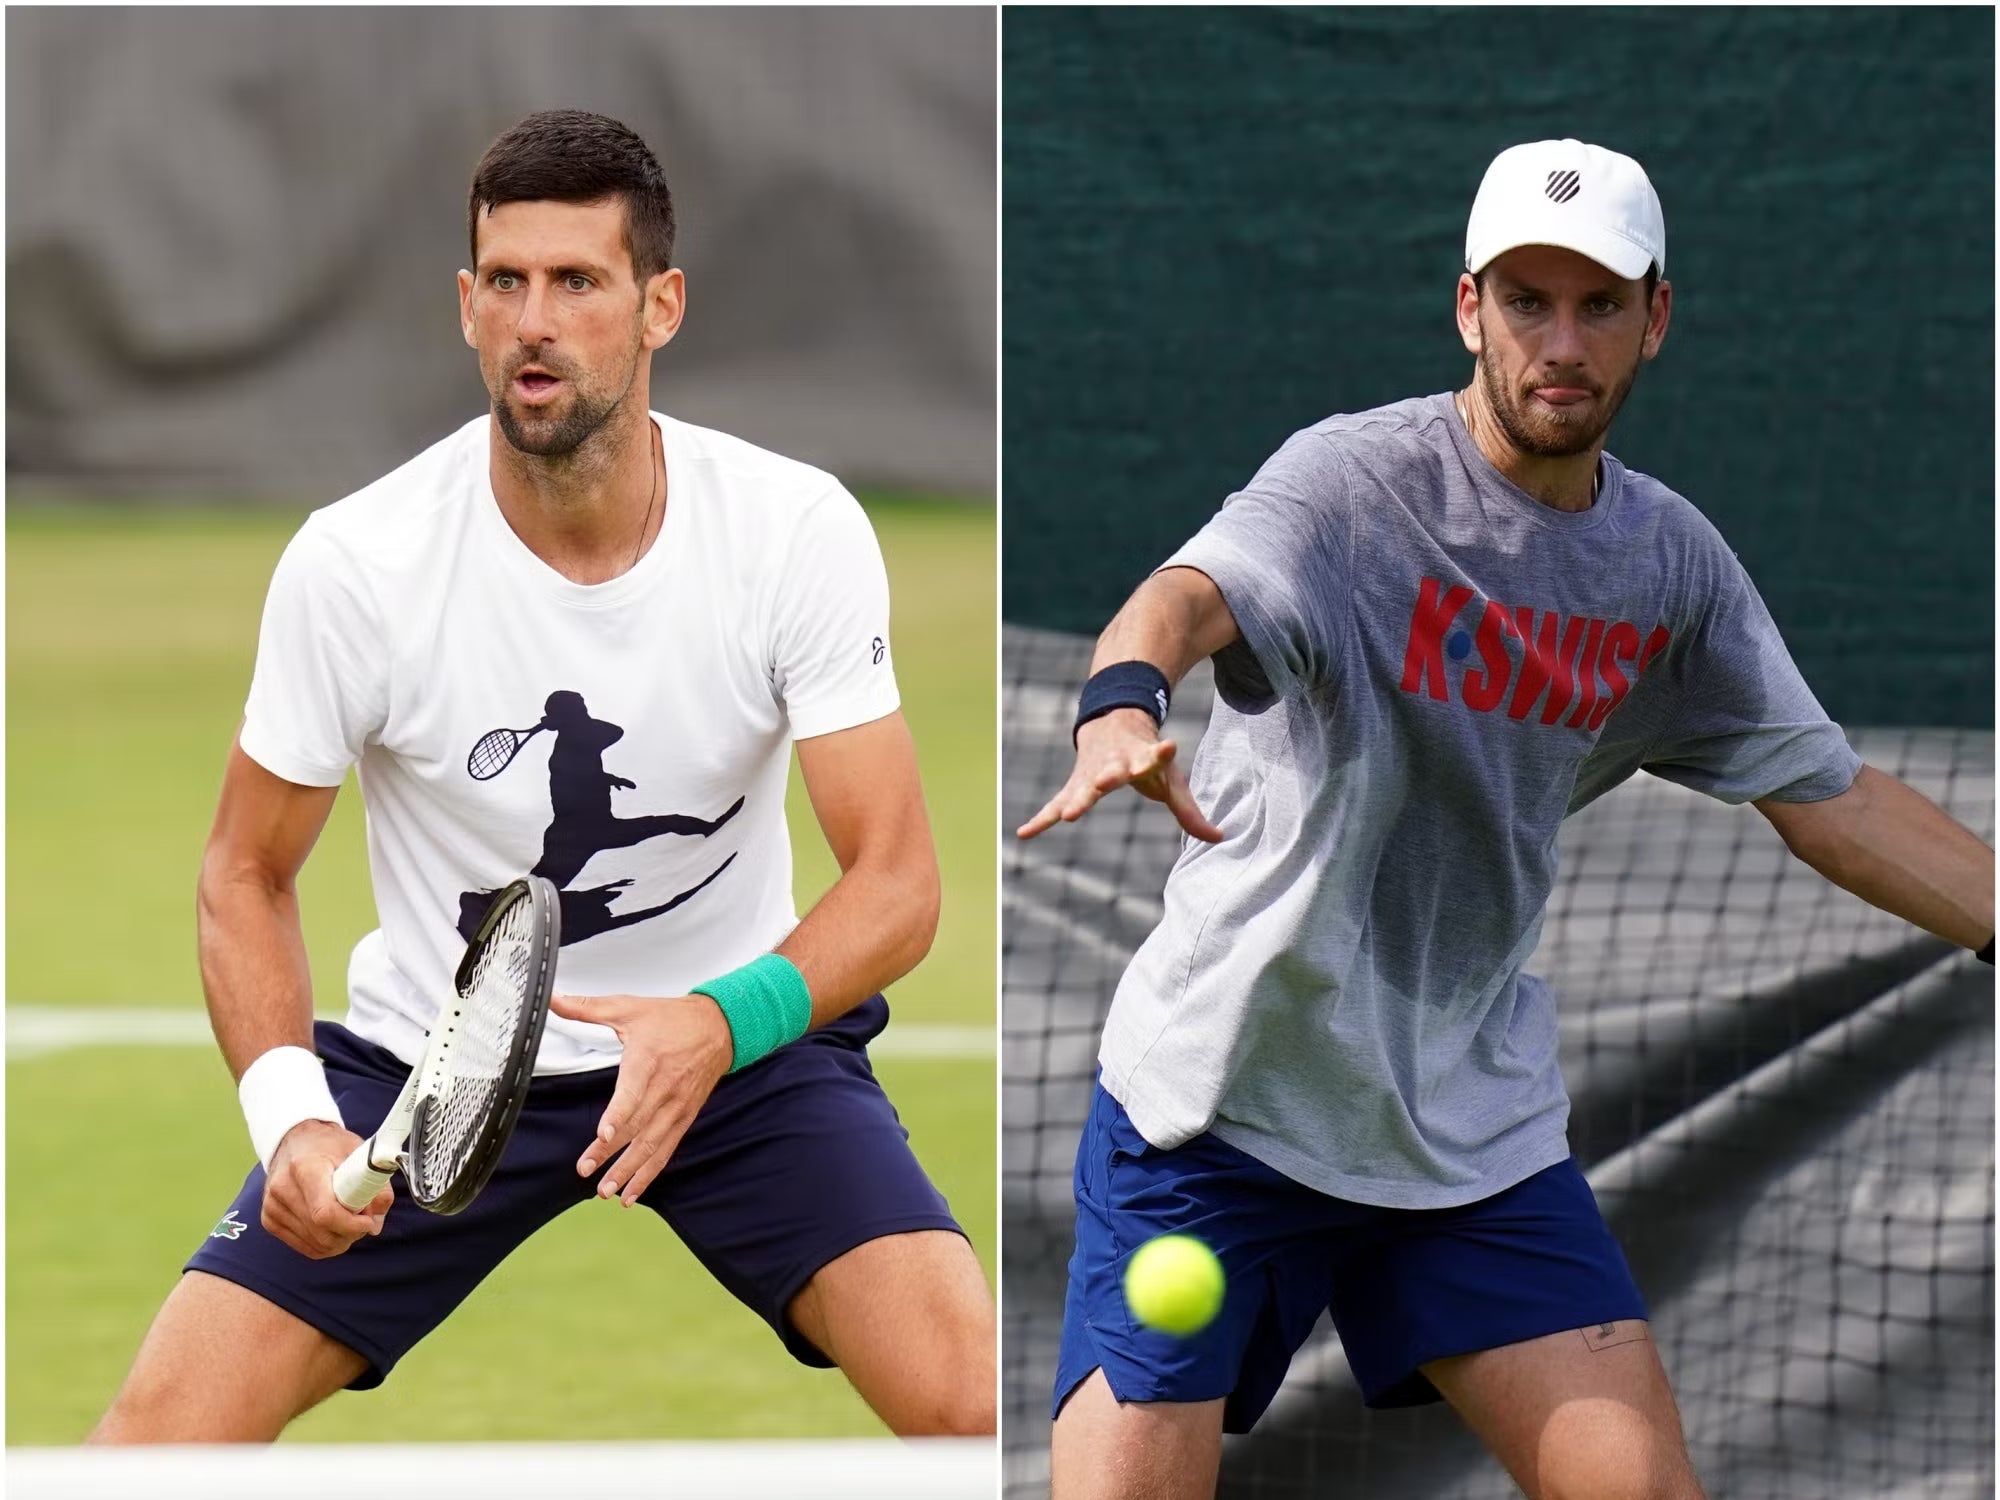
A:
228,1227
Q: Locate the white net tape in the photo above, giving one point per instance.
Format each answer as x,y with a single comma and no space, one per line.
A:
857,1469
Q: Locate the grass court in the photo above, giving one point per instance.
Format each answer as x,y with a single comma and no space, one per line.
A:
130,638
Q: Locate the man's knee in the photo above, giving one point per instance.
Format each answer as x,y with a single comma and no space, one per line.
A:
1658,1484
1631,1460
153,1406
910,1321
962,1406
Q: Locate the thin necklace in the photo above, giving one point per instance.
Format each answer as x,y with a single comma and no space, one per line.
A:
1596,472
651,494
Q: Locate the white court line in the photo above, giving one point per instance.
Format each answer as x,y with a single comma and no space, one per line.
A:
836,1469
37,1030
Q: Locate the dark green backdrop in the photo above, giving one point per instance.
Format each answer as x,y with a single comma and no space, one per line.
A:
1222,225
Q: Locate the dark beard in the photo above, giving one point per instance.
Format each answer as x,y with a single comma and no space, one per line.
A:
559,437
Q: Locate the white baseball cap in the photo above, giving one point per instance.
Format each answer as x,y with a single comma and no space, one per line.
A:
1578,197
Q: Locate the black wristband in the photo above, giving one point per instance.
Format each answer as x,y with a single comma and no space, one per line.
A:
1985,955
1125,684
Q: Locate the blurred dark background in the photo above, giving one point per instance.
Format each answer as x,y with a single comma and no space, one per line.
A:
231,233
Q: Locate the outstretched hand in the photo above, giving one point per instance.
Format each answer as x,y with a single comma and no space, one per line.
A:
1123,748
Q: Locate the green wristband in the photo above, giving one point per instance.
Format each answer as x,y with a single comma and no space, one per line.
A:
766,1004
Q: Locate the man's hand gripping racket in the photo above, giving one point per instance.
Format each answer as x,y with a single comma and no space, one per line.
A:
449,1125
1123,748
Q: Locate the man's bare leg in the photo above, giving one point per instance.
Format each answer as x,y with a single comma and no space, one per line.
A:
1587,1413
1138,1450
222,1365
910,1320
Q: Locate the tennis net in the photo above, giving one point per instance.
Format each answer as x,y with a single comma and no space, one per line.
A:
855,1469
1782,1097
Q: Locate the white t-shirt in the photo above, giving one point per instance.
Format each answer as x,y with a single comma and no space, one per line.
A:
408,620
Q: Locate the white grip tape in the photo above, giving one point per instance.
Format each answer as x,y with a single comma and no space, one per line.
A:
355,1181
277,1091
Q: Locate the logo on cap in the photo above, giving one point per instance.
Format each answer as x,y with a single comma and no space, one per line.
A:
1563,186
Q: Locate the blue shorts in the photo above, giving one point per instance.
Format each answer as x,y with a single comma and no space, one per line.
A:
1405,1286
790,1164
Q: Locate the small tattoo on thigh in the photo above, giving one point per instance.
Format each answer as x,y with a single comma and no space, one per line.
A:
1611,1335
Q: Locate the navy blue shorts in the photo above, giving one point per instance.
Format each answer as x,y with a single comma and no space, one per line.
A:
790,1164
1405,1286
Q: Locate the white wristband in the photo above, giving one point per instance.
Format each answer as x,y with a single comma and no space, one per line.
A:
278,1090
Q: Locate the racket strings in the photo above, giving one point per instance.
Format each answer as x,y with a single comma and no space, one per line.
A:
492,1011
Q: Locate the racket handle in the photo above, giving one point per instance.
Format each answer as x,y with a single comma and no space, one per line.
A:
356,1180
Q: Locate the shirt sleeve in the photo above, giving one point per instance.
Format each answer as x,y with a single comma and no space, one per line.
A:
1280,552
1747,726
319,691
831,663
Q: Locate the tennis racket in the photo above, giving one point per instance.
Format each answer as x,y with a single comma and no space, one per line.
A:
495,750
448,1127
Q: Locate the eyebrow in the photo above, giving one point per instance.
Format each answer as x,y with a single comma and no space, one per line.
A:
576,268
1613,289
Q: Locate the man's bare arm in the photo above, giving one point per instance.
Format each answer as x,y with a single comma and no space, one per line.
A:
877,921
253,951
1175,619
259,987
1895,849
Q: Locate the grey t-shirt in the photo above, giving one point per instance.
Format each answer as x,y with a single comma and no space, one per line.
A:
1434,671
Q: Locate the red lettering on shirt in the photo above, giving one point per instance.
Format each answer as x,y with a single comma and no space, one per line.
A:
1621,644
1581,666
1538,654
1586,676
1484,687
1423,658
1655,644
1562,668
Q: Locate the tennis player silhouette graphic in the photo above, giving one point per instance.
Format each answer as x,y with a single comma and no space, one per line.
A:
582,823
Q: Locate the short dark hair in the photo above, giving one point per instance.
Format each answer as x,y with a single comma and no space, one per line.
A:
1652,281
571,156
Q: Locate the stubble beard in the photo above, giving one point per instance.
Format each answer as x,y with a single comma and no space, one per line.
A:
552,437
559,435
1549,432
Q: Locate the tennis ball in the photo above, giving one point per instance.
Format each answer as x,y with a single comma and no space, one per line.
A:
1174,1283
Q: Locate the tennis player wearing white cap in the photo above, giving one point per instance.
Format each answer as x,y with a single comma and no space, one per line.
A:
1438,628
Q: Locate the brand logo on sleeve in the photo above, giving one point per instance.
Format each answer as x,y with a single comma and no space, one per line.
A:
1555,665
876,648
